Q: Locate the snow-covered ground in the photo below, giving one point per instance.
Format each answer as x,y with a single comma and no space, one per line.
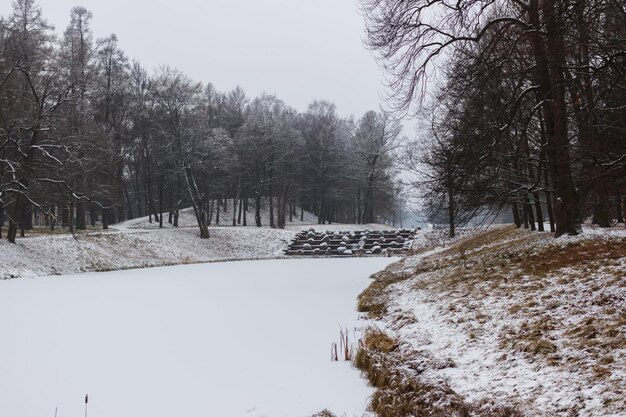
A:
188,220
220,339
63,254
138,243
516,319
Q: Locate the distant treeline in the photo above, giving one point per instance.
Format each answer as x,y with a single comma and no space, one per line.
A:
88,136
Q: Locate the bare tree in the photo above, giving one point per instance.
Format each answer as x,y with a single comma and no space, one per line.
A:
37,93
177,99
410,37
373,144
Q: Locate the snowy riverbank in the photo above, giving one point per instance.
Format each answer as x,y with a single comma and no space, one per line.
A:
503,322
140,244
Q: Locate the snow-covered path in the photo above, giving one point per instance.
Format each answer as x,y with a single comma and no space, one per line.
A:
224,339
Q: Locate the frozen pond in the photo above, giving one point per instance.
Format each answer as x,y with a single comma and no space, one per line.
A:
224,339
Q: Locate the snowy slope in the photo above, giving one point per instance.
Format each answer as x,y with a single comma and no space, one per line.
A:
510,318
136,249
138,243
188,219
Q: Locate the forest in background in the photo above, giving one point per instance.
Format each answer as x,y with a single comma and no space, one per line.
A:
89,137
529,109
526,111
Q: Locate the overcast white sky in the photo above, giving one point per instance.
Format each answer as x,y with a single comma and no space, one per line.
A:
299,50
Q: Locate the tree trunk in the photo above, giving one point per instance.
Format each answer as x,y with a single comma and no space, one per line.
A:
282,208
320,210
152,208
204,227
28,216
516,218
196,202
138,199
529,210
368,208
601,206
147,200
271,200
549,59
358,205
81,221
120,186
538,210
161,187
16,216
240,208
451,217
71,213
257,208
12,231
546,177
210,214
550,211
105,218
129,203
92,214
618,208
245,207
217,213
53,217
536,180
235,207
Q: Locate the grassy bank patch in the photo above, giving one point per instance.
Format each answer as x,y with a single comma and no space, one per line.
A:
501,321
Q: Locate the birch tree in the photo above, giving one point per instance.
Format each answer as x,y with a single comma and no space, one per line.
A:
177,100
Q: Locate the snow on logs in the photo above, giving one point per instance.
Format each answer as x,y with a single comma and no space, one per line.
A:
350,243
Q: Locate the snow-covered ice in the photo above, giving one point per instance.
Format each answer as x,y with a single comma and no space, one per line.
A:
245,338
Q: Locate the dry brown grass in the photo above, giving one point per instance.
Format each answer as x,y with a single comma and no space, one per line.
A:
372,357
487,238
535,282
532,338
519,265
379,341
578,254
373,300
399,394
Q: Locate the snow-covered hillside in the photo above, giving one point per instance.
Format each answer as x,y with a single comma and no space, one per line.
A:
138,243
503,322
188,219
